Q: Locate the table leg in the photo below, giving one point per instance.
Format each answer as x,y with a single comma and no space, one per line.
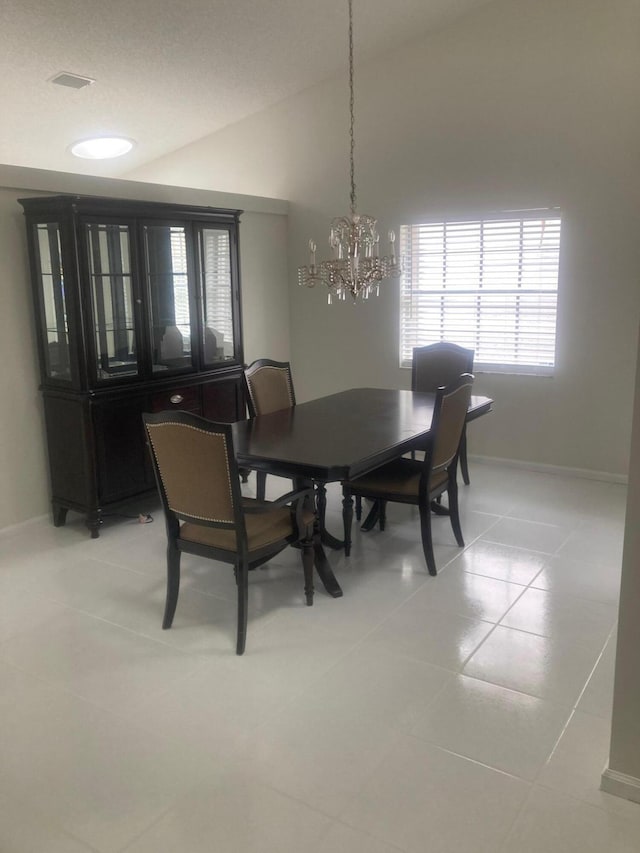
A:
323,566
321,563
325,572
327,538
347,519
439,509
372,518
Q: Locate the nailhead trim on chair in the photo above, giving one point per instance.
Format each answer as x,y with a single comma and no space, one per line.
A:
260,370
211,435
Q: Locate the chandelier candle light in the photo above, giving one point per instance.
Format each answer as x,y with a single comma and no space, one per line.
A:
356,266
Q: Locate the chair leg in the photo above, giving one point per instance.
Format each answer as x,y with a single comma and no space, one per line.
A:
307,565
382,514
427,541
454,513
464,465
261,484
242,581
347,518
173,584
358,507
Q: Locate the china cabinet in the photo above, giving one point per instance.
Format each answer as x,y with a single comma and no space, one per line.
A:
137,308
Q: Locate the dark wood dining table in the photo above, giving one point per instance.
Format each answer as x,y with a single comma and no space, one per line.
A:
339,437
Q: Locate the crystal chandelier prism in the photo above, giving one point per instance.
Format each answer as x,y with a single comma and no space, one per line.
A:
357,268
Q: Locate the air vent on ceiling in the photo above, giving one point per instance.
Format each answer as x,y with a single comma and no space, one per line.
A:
72,81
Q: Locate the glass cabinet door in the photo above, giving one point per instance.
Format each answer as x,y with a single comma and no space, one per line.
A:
217,301
170,296
114,327
53,303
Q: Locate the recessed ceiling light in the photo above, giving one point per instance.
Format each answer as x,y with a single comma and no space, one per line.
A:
102,147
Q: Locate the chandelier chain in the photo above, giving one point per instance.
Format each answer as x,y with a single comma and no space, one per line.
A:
351,110
357,267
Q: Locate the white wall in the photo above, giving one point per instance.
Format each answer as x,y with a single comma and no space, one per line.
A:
622,776
24,486
520,104
265,296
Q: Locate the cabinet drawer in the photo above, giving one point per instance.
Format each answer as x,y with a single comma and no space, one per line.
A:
184,399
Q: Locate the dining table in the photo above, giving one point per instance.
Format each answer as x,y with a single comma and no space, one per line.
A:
339,437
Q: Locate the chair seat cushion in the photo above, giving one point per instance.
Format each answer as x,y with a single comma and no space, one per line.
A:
400,477
263,529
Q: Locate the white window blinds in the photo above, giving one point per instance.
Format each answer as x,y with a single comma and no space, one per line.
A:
490,285
217,283
178,243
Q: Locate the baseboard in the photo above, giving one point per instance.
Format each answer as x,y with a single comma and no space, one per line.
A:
582,473
620,785
15,528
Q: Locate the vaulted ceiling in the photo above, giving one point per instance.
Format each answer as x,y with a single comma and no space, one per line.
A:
168,72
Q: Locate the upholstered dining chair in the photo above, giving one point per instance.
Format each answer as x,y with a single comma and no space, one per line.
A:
440,364
205,513
269,388
419,482
433,367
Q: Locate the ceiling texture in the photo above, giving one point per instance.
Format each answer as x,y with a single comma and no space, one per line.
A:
169,72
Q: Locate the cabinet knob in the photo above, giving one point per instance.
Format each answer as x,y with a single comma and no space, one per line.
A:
176,398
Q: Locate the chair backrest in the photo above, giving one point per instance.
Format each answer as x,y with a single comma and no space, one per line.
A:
439,365
195,468
269,386
449,416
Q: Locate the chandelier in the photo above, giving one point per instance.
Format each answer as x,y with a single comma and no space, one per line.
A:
356,267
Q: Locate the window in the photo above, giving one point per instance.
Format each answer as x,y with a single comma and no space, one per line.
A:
490,285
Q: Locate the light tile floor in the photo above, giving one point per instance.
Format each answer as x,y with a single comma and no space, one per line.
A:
464,713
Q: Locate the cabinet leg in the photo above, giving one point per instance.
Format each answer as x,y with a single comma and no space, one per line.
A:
59,515
94,520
